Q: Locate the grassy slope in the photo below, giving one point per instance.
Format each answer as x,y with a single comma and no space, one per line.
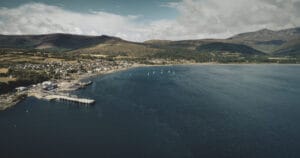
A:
119,47
228,47
291,48
267,41
58,42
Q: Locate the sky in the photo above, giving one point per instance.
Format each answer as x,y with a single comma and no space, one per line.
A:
140,20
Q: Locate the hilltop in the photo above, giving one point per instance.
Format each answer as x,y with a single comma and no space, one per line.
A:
266,40
261,42
61,42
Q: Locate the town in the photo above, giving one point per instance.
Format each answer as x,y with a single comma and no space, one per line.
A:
54,80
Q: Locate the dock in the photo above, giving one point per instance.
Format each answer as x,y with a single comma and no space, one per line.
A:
70,99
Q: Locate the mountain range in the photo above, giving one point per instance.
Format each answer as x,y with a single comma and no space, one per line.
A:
282,42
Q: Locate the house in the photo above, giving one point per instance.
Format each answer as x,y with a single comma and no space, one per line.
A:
48,85
21,89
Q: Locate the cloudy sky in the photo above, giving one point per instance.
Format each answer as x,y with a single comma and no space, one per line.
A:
140,20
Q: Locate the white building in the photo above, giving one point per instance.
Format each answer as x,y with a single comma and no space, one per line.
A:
48,85
21,89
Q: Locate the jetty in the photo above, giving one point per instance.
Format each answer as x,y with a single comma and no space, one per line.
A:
70,99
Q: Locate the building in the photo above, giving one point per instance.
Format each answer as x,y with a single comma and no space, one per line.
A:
48,85
21,89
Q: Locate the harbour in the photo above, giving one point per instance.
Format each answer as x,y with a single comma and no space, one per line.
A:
83,101
52,91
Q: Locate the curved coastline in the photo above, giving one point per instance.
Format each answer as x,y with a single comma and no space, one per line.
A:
12,99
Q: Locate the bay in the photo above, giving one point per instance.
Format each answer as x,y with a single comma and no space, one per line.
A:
165,111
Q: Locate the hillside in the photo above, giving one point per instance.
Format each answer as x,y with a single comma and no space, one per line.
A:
61,42
266,40
118,48
283,42
291,48
228,47
268,35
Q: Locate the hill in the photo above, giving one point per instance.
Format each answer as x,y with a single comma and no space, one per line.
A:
268,35
118,48
259,42
291,48
228,47
265,40
61,42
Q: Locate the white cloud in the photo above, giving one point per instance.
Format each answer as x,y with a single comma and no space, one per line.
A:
37,18
170,4
197,19
227,17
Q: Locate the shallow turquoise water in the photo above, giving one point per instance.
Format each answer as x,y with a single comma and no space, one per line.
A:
177,111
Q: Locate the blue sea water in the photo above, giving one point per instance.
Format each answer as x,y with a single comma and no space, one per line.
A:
221,111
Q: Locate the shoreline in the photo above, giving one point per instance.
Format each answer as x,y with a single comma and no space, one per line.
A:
64,87
17,97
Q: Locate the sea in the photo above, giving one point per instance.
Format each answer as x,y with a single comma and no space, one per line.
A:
186,111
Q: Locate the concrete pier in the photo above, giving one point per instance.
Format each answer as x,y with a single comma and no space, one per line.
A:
71,99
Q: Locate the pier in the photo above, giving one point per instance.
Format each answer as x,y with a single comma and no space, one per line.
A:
71,99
